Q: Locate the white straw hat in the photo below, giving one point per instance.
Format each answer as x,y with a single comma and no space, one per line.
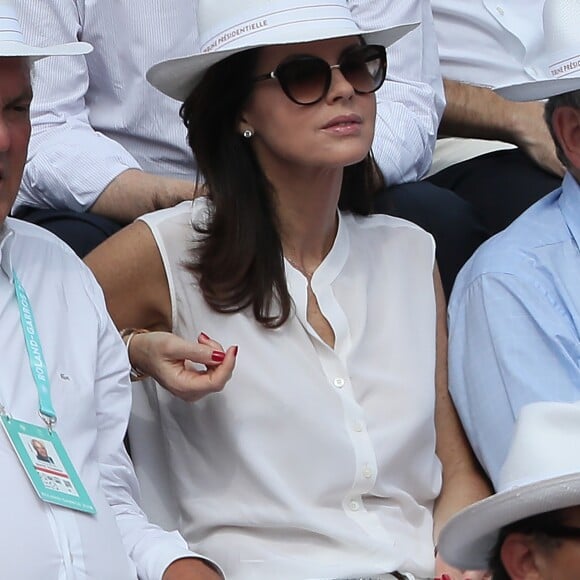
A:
560,60
12,41
226,28
541,474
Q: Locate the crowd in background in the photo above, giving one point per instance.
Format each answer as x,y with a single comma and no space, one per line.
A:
335,247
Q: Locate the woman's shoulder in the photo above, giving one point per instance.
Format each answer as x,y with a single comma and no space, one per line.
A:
390,227
174,229
184,213
388,240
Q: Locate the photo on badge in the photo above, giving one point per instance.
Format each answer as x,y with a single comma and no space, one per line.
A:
47,465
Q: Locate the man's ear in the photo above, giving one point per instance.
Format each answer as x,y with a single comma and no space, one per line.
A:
566,126
521,558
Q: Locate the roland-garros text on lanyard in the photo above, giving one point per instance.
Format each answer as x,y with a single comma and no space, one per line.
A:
35,355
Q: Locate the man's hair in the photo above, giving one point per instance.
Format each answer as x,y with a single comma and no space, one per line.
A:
533,526
565,100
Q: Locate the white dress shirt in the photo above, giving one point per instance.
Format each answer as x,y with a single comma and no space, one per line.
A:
487,43
95,116
88,371
313,462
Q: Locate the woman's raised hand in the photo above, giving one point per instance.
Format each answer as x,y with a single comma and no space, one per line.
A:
189,370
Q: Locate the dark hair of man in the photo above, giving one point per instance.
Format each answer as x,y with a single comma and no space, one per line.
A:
533,526
566,100
238,260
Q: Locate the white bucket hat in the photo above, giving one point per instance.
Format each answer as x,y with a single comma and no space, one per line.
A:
541,474
226,28
560,60
12,41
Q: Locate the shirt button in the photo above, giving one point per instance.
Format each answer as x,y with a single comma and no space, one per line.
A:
339,383
500,10
354,505
358,427
367,472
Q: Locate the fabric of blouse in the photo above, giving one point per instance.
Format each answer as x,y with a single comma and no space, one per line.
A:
313,462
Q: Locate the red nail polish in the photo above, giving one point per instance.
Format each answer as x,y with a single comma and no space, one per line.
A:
203,335
236,350
445,577
217,356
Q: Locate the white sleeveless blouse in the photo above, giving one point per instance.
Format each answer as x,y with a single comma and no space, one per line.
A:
313,462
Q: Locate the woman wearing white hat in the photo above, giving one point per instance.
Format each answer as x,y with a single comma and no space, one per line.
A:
319,459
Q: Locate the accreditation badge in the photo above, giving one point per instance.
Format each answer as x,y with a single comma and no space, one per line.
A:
47,465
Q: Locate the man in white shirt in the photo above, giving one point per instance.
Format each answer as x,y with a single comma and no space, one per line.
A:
495,154
109,147
64,387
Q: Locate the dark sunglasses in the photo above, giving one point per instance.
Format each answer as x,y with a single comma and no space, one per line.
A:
306,79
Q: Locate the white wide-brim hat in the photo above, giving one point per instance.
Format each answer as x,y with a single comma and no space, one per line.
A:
541,474
560,58
12,42
228,28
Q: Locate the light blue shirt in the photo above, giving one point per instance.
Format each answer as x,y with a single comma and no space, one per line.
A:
514,323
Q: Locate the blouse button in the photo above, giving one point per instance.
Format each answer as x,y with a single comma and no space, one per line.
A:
367,472
339,382
354,505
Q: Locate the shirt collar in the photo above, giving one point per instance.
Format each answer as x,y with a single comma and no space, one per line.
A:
6,238
570,206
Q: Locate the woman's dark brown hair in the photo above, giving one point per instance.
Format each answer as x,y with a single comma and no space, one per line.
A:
239,259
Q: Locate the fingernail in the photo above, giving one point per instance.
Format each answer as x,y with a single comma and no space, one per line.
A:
236,350
217,356
203,335
445,577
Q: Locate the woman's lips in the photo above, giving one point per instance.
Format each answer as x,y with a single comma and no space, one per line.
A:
344,125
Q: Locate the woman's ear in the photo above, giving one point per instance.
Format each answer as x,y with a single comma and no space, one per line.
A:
566,126
245,128
521,557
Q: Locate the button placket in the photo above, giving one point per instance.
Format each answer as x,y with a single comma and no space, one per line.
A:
363,477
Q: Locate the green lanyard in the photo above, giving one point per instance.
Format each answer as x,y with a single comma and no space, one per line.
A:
35,355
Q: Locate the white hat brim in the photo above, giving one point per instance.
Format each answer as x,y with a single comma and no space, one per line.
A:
468,538
20,49
538,90
177,77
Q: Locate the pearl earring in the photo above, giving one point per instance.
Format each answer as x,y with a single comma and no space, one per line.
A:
248,133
